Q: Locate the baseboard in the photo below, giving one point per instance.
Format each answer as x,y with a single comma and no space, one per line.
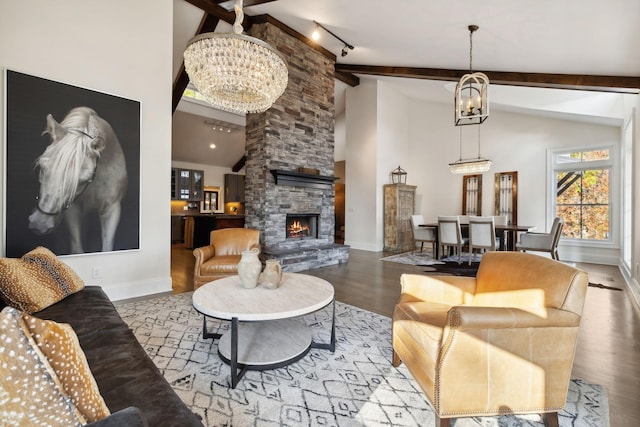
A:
632,284
371,247
140,288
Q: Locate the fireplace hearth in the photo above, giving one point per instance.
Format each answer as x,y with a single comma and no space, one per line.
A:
302,226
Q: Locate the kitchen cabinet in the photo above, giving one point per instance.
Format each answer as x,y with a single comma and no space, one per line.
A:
187,184
233,188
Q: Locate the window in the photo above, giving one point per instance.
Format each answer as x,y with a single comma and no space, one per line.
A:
583,193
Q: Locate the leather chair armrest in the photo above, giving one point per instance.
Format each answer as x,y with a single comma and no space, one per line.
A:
472,317
449,290
202,254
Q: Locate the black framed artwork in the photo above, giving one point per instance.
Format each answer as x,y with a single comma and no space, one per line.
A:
72,168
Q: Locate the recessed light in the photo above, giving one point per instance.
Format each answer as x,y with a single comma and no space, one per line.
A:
212,146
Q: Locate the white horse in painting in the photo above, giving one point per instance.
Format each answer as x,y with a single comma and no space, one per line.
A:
83,170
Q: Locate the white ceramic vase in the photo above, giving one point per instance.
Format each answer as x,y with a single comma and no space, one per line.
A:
249,268
272,274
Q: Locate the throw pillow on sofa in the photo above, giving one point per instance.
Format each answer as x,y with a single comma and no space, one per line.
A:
59,344
30,391
37,280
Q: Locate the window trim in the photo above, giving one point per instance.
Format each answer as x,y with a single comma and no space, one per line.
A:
613,163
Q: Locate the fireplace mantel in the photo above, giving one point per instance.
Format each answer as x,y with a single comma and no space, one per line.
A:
301,179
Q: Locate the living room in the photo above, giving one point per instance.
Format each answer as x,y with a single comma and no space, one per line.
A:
125,48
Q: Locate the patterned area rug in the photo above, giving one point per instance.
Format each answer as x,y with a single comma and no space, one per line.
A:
355,386
413,258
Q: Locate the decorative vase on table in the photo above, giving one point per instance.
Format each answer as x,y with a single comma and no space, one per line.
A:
272,274
249,268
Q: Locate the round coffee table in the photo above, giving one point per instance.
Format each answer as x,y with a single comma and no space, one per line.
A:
264,332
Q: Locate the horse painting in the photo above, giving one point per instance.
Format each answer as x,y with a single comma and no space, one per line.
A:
82,171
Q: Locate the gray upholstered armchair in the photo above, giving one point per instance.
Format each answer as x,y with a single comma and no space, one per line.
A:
542,242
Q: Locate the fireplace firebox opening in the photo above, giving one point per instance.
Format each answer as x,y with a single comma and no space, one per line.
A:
302,225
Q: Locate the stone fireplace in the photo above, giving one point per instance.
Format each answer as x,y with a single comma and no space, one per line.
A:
290,161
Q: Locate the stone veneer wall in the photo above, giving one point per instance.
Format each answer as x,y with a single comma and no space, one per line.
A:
297,131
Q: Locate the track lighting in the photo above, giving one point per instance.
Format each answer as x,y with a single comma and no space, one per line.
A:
316,33
316,36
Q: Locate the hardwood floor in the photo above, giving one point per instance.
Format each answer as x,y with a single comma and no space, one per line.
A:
608,346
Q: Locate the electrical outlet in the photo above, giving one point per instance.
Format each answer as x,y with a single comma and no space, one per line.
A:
96,272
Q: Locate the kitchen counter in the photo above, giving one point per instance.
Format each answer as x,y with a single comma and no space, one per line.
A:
217,215
198,226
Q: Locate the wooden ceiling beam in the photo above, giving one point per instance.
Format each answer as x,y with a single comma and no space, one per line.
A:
621,84
207,24
214,9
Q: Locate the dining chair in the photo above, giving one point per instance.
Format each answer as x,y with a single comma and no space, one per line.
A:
482,234
502,236
450,236
422,234
542,242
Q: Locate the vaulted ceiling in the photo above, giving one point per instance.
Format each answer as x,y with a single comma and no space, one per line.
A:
421,46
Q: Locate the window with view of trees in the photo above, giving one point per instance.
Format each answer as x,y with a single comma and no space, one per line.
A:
583,194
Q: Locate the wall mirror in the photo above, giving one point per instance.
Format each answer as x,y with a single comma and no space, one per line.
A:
506,201
472,195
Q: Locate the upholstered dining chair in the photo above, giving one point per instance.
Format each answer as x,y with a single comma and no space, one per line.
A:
422,234
482,234
502,342
542,242
501,220
450,236
221,257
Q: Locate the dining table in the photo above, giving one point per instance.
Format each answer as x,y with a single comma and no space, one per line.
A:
506,233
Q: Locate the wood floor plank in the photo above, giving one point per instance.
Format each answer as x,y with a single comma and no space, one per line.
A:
608,345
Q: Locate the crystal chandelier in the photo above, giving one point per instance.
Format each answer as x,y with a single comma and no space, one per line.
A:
236,72
470,166
471,103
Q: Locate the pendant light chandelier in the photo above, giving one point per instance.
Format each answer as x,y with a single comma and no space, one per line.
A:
236,72
471,103
470,166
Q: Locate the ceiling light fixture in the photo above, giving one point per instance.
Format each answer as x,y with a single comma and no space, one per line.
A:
316,36
471,102
470,166
236,72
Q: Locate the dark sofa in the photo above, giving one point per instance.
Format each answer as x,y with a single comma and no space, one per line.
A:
132,387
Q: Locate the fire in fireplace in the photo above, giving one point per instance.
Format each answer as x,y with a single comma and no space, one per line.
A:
302,225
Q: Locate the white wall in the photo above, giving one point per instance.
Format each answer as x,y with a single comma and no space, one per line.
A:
340,141
124,48
377,132
360,160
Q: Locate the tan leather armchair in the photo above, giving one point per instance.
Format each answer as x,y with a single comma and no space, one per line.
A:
221,257
502,342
